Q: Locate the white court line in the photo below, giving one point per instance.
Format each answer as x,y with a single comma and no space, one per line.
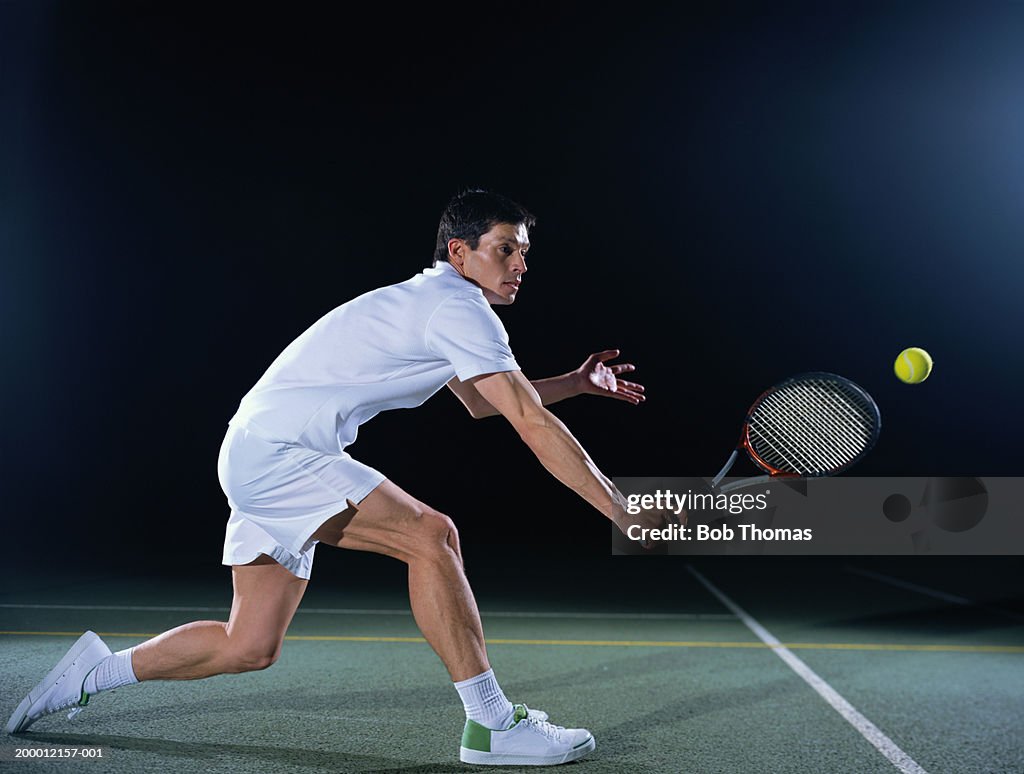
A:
867,729
370,611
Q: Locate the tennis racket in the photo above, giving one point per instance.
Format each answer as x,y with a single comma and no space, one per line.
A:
811,425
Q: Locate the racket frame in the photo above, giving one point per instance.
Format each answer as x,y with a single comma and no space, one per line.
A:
745,443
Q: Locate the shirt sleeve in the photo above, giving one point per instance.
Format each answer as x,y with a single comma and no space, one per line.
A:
466,332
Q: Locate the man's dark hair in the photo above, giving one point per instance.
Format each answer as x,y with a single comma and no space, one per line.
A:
473,213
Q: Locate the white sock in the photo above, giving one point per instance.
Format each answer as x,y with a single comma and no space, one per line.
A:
112,672
485,702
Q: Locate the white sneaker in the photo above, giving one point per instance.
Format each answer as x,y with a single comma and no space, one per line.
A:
62,688
529,741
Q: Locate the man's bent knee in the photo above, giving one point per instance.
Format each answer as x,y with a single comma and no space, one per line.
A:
254,659
439,538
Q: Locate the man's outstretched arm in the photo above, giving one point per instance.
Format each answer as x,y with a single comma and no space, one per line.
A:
593,377
556,448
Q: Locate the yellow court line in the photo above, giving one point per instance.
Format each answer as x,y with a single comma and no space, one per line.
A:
618,643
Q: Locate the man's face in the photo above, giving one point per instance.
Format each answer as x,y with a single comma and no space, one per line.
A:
497,264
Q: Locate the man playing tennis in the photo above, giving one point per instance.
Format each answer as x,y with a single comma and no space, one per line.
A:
290,484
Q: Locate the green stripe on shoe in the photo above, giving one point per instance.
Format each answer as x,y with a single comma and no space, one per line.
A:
476,737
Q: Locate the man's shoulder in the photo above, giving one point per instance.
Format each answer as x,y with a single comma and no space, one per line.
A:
439,284
424,294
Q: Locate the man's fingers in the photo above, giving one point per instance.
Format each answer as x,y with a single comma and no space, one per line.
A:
621,368
624,385
630,390
607,354
625,391
628,397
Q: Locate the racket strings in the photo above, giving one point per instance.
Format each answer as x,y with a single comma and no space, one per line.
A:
827,425
801,433
777,458
812,421
847,406
779,440
830,433
811,427
843,432
773,437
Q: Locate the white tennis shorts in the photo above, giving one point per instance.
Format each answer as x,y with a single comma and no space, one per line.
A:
280,494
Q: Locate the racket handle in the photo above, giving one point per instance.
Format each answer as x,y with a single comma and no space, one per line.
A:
724,470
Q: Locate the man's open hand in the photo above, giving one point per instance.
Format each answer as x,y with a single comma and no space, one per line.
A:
597,378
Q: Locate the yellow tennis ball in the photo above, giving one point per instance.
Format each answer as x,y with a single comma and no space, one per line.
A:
913,365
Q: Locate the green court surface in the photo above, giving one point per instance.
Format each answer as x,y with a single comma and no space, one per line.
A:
667,674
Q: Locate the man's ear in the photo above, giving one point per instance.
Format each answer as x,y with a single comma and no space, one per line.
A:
457,251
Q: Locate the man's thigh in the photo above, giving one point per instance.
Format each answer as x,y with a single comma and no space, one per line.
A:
266,598
389,521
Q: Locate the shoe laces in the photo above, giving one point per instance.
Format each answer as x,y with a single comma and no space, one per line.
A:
550,730
75,702
71,701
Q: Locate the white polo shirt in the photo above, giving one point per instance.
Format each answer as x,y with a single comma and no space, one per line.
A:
390,348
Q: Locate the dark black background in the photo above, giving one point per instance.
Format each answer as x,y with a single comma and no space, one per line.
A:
729,195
